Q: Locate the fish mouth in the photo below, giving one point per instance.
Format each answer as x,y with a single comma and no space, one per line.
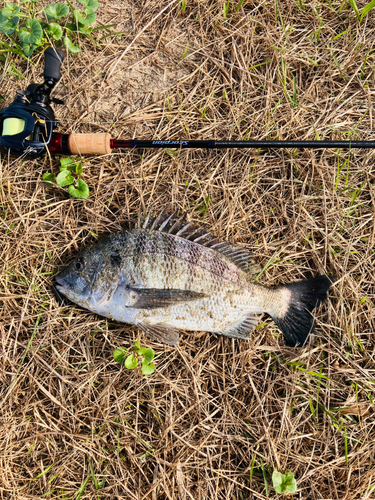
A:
62,283
59,285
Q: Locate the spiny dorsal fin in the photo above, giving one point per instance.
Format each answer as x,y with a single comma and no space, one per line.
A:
172,224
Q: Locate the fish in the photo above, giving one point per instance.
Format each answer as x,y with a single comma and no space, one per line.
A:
168,275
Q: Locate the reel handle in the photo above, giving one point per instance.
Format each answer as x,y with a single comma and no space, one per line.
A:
52,65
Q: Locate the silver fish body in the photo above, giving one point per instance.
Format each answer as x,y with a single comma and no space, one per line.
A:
167,277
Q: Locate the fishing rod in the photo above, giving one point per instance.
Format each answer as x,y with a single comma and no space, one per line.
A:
27,127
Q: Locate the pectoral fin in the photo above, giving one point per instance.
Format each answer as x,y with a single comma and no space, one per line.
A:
161,333
151,298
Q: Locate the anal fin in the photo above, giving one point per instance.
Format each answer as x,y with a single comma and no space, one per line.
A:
243,329
161,333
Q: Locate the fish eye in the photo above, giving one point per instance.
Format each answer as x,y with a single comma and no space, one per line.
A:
79,265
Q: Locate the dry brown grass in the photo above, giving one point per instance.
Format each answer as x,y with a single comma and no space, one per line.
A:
216,409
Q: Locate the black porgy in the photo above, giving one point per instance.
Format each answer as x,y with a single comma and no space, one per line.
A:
170,275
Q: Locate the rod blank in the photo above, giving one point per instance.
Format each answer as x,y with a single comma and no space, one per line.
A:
135,143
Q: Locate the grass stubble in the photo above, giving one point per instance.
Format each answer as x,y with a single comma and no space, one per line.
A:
218,415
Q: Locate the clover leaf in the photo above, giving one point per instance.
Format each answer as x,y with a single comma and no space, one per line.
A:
31,33
143,354
147,369
70,46
119,354
67,164
49,178
10,9
80,191
147,354
90,4
8,26
64,178
71,165
28,49
79,168
83,29
131,362
284,482
56,11
55,30
85,19
36,28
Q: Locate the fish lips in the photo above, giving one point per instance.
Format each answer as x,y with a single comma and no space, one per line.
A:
59,286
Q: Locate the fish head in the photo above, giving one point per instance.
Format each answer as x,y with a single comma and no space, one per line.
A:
91,279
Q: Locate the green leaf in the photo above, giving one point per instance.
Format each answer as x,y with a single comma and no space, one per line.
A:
56,11
81,191
69,45
119,354
355,8
367,9
78,28
8,26
10,9
64,178
292,483
170,152
85,19
28,49
31,33
137,345
148,369
284,482
79,168
131,362
55,30
105,27
67,164
147,354
49,178
84,29
90,4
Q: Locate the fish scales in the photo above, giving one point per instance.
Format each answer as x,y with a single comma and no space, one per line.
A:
164,283
151,243
182,264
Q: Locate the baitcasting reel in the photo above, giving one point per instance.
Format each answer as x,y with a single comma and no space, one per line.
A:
27,124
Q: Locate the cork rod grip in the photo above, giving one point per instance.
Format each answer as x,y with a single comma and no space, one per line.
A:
90,144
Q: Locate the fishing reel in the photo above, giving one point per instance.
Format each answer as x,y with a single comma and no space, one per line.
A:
27,124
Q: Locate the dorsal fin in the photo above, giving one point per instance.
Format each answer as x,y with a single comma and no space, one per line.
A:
172,224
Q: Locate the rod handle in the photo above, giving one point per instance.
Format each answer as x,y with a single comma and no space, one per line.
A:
90,144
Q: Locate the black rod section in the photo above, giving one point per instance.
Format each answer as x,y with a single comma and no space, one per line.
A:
295,144
135,143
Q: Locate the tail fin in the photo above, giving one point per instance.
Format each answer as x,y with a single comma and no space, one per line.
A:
297,322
